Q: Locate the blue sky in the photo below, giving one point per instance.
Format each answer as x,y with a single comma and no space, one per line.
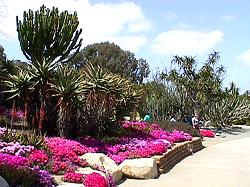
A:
155,30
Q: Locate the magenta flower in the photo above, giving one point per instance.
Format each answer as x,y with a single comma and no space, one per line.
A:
73,177
207,133
95,180
13,160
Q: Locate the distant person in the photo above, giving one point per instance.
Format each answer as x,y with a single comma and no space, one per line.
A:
173,119
195,121
185,119
147,118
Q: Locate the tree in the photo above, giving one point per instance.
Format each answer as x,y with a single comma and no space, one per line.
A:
47,39
48,35
201,85
111,57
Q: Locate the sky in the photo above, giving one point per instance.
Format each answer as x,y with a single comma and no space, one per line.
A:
155,30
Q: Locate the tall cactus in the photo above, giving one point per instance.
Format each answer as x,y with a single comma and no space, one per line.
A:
47,35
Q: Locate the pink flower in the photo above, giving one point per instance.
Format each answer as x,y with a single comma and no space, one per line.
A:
95,180
73,177
38,157
207,133
13,160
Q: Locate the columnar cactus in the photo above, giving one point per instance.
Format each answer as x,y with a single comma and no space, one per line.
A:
47,35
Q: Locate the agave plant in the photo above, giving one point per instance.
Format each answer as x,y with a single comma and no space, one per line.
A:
227,110
20,87
67,87
103,92
128,100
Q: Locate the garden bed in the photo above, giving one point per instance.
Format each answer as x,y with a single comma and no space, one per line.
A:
177,153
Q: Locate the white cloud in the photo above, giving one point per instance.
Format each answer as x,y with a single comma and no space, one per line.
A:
181,42
244,57
139,26
228,18
99,21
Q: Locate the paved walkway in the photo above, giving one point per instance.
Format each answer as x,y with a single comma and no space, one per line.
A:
225,164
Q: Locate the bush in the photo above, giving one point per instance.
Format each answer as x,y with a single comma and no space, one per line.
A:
18,176
33,138
170,126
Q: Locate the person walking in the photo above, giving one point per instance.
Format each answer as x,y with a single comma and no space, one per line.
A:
195,121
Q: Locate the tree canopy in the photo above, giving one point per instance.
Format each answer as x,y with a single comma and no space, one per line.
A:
201,85
111,57
47,35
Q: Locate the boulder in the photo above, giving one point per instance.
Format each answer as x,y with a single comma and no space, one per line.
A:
141,168
3,182
58,179
101,160
69,184
88,170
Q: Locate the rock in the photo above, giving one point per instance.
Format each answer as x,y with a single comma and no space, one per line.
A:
3,182
88,170
68,184
142,168
58,179
105,162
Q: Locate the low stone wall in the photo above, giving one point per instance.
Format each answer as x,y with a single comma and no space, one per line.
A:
177,153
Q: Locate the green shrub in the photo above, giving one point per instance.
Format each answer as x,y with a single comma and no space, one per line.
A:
170,126
4,120
18,176
25,138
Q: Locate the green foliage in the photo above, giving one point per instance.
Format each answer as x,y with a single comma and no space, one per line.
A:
200,86
107,98
4,121
47,35
112,58
47,38
18,176
162,98
37,139
100,90
19,85
68,88
229,109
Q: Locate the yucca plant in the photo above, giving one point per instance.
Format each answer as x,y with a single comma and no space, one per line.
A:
67,87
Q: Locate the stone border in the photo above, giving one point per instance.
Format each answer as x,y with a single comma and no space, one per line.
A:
177,153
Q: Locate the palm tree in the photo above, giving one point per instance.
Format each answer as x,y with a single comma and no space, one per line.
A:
67,87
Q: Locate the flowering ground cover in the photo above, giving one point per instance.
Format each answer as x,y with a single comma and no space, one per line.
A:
62,156
207,133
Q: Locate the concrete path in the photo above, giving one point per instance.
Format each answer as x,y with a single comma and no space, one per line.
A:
225,164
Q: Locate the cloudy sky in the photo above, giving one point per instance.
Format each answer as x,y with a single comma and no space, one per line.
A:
153,29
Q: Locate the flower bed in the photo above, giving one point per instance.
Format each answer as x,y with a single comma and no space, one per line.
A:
62,156
207,133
